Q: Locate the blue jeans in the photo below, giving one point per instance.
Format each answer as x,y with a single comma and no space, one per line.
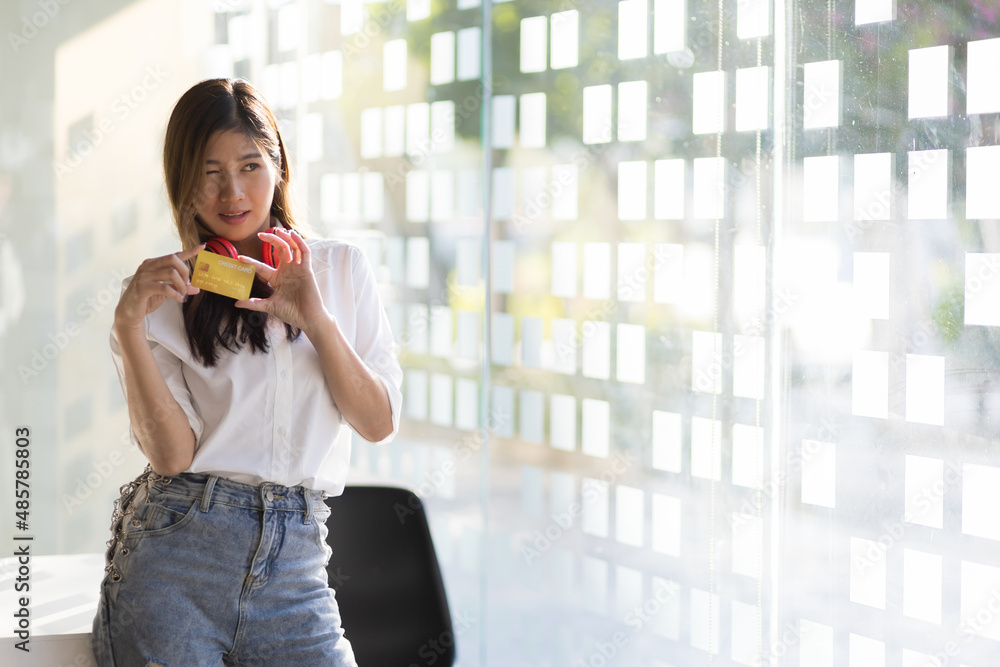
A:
207,571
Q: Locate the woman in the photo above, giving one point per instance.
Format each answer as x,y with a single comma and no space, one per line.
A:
218,550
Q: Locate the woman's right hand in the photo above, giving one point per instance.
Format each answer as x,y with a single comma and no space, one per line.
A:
156,279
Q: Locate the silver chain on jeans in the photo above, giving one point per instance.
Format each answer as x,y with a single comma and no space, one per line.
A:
125,507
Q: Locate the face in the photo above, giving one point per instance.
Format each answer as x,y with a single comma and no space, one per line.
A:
235,201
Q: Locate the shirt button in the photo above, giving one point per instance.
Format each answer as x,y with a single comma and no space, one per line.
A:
284,374
281,431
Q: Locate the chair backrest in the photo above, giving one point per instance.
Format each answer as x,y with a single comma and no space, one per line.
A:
386,576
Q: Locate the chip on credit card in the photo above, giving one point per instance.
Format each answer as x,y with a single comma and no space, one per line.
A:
223,275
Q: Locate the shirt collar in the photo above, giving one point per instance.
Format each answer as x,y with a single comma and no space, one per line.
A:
319,265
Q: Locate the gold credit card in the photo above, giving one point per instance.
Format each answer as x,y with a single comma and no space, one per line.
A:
222,275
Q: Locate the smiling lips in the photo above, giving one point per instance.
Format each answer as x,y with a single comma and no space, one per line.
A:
234,218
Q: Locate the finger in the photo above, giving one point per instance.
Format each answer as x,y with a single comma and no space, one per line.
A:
161,289
173,261
299,245
185,255
178,277
289,255
166,289
292,239
181,267
260,305
263,270
284,250
179,297
166,275
303,247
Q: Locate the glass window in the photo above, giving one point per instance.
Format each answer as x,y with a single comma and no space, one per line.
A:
713,374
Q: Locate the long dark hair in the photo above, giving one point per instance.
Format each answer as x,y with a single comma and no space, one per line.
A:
211,106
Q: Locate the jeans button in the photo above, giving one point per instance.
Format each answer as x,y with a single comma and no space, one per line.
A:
269,495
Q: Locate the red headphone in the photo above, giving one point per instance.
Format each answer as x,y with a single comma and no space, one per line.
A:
221,246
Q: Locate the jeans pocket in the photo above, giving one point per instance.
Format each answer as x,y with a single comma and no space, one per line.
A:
319,519
160,514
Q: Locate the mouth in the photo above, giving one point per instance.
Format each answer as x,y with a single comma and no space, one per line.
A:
235,217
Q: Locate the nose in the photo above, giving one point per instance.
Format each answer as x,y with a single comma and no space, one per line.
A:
231,189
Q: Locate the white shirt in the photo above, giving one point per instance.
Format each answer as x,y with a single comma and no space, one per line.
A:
269,417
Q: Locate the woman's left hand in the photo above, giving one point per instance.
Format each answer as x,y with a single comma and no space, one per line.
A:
296,299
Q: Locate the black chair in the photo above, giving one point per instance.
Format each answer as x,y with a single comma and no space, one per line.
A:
386,576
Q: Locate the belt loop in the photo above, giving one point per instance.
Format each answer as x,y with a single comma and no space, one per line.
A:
206,496
307,510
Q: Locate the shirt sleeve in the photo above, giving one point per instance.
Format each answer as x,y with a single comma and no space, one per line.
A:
374,342
171,368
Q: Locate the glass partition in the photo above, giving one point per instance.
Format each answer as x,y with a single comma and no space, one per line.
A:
696,301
